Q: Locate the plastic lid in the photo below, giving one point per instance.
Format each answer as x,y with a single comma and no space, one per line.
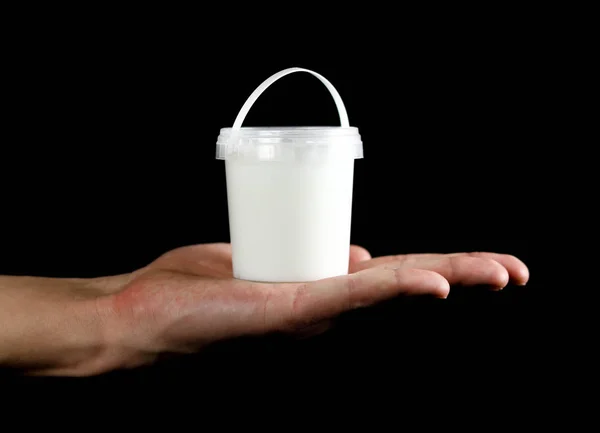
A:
289,143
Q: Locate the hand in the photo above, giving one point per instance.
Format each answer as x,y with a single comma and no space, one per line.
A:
188,298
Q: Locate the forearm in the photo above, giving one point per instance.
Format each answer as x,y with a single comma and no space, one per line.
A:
52,325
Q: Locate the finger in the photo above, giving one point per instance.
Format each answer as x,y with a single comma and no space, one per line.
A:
357,254
201,259
313,302
517,270
518,273
464,270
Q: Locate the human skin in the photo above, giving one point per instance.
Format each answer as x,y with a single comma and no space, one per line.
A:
188,299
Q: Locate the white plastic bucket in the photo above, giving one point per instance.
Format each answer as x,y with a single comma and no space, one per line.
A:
289,193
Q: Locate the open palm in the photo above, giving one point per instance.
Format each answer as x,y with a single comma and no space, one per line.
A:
188,297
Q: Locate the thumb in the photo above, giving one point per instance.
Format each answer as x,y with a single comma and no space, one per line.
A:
357,254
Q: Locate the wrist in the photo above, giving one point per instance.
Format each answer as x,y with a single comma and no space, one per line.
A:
48,337
78,342
117,343
105,341
59,326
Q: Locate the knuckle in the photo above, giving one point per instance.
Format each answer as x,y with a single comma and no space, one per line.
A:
297,315
267,316
351,291
452,266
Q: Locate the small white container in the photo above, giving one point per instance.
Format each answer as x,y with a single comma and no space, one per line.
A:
289,193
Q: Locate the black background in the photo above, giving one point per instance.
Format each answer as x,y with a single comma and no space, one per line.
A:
108,161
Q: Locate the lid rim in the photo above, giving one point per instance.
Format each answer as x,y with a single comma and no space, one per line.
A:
288,143
292,127
312,131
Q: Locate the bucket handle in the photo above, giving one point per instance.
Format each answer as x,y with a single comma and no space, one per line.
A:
260,89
